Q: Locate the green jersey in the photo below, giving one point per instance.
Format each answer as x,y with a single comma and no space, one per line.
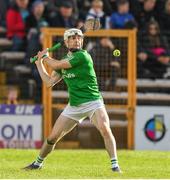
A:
80,78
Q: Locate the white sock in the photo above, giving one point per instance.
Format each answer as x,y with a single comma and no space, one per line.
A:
39,161
114,163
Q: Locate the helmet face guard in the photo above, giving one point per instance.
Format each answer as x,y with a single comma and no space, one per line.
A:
72,32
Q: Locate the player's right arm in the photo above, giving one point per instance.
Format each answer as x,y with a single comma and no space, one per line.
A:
49,80
55,64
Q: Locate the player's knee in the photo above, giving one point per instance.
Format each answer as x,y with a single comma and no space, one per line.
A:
51,140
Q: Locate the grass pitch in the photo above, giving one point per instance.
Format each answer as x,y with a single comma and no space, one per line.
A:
85,164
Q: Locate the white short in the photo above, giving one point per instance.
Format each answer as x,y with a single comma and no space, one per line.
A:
79,113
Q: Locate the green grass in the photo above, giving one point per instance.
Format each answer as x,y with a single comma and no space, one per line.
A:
85,164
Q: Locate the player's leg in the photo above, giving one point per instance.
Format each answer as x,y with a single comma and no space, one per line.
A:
62,126
101,121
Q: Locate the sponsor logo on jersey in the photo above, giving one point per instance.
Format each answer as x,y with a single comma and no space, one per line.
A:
67,75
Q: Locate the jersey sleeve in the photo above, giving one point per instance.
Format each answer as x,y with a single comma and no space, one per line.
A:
77,60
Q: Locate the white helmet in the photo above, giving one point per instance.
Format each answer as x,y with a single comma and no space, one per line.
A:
72,32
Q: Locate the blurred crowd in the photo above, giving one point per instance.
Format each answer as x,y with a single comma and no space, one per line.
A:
23,20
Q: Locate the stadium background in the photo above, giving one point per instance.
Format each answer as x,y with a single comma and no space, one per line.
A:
135,85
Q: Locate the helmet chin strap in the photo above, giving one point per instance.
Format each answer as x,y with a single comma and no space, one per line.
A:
74,49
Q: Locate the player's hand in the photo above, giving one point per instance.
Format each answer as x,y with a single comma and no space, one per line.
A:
43,53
